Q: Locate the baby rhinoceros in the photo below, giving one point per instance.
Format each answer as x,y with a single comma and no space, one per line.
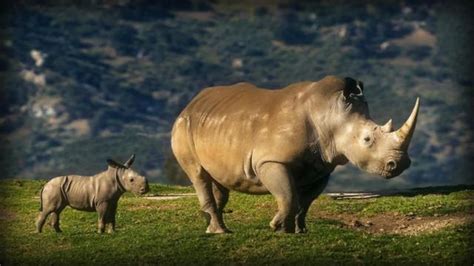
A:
100,193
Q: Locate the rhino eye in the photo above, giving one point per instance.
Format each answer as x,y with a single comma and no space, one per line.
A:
368,141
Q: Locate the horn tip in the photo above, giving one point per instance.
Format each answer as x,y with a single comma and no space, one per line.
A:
417,104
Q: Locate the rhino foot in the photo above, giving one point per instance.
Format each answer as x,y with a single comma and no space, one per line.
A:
281,227
302,230
300,227
217,230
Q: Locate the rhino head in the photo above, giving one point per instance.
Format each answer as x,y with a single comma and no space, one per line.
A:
128,178
377,149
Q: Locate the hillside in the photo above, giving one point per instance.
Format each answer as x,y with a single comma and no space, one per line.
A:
82,83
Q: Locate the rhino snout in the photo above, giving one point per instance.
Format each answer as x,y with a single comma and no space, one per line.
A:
144,189
394,168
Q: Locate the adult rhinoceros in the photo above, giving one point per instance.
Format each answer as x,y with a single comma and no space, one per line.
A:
285,142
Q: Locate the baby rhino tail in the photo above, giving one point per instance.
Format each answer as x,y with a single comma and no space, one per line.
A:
41,200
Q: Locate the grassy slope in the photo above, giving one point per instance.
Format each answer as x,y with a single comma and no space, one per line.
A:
172,232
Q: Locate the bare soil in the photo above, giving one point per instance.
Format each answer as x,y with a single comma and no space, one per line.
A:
7,215
394,223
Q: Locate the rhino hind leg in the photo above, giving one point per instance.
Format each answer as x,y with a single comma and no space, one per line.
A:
276,179
202,183
51,201
182,146
55,222
41,220
221,196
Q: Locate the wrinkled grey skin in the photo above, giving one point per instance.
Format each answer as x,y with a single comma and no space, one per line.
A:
285,142
99,193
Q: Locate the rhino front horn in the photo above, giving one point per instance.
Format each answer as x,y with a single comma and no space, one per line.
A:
405,132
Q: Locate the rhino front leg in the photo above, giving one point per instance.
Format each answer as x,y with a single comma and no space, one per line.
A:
307,196
111,216
276,178
102,213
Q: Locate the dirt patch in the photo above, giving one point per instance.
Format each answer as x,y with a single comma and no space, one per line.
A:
393,223
7,215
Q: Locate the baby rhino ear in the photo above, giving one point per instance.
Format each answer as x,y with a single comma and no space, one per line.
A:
114,164
353,88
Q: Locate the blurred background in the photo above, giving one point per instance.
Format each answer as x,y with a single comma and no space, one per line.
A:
83,81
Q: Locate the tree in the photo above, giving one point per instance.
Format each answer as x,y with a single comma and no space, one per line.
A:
173,172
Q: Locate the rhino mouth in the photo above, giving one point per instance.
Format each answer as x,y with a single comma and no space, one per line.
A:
385,173
390,175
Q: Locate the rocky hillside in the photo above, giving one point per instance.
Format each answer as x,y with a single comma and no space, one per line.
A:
86,82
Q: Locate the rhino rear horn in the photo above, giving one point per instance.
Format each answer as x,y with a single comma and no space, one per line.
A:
388,127
405,132
129,162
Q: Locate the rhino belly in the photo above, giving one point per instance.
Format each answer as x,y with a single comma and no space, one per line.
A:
81,193
81,202
234,174
244,184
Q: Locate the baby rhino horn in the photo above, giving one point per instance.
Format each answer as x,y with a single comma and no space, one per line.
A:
129,162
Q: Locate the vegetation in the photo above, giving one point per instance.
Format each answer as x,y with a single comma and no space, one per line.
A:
172,232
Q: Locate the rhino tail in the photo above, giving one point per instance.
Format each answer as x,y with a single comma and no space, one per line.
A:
41,200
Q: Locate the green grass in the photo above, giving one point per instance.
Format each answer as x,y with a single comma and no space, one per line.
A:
172,232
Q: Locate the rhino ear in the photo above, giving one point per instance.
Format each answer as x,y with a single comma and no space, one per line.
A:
353,88
114,164
130,161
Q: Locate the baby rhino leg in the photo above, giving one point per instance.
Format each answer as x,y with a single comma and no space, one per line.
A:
55,220
110,216
102,209
51,201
